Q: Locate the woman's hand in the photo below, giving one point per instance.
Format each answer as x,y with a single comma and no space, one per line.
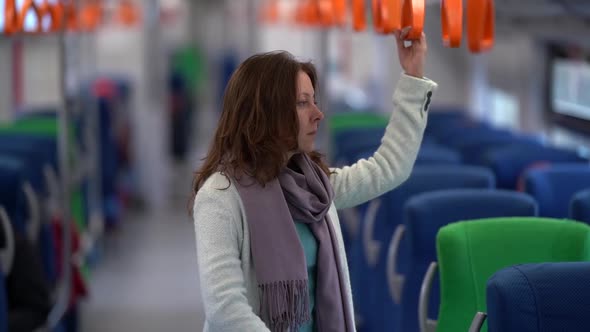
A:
411,58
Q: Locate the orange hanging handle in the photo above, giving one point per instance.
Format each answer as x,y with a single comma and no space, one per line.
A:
269,12
70,15
91,16
452,22
387,15
127,13
391,15
54,12
359,20
298,14
480,25
307,13
325,9
340,8
22,15
377,18
413,15
10,17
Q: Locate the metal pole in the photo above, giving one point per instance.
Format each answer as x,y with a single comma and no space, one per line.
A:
63,291
93,157
252,7
323,40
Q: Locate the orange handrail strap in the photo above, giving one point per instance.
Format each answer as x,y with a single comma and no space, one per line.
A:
269,11
10,17
391,15
413,15
91,16
127,13
359,20
480,25
54,12
451,12
312,13
376,8
340,12
325,10
22,14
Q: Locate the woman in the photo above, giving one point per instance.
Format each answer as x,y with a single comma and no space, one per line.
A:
269,245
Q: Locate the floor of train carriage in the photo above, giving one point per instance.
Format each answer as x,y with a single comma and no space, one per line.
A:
147,278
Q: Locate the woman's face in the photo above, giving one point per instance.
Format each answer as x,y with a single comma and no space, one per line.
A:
308,112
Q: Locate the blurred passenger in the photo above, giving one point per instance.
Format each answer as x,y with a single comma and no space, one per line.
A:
269,243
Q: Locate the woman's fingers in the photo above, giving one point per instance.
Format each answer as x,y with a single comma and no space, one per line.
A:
404,32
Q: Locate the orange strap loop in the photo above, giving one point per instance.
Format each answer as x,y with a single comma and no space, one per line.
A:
452,22
325,9
22,15
10,17
312,14
55,13
340,8
391,15
307,13
127,13
269,12
70,15
359,20
91,16
413,15
387,15
480,25
377,18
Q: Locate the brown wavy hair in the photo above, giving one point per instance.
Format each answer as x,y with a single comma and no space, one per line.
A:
259,125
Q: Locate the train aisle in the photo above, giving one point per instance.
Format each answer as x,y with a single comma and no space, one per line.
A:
147,279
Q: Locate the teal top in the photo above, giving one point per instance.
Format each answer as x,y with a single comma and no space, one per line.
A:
310,247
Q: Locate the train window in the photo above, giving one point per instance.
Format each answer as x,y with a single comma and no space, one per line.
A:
570,86
504,109
2,5
567,87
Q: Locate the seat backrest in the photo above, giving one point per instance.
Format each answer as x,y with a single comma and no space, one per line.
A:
470,252
426,213
580,206
46,127
389,214
553,187
348,143
540,297
451,130
12,197
353,120
490,135
33,163
45,147
508,162
474,150
3,304
431,154
425,179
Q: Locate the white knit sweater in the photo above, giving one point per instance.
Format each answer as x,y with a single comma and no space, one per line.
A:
228,281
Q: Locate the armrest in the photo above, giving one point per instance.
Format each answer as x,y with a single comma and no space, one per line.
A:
477,322
7,253
426,324
395,280
371,246
34,222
